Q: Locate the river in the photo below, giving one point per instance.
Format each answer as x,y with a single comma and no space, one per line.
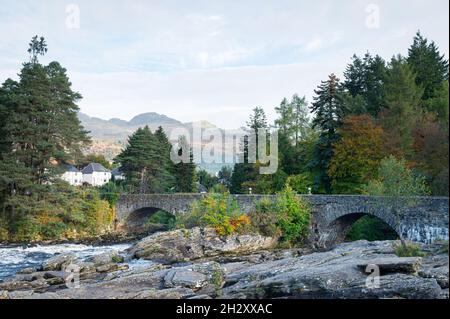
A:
15,258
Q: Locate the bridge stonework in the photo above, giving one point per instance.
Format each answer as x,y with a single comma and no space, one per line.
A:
426,220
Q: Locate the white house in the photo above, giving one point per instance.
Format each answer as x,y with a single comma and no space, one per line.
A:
72,175
117,174
95,174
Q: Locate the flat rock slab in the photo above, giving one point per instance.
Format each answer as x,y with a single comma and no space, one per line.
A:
406,265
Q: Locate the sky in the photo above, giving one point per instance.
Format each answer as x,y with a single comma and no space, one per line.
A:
209,60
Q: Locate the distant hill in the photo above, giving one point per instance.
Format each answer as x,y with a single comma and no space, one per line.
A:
110,136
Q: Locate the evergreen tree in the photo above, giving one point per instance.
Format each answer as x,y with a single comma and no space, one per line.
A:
364,79
329,110
206,179
301,124
166,148
184,173
224,176
402,98
430,66
39,129
284,121
141,163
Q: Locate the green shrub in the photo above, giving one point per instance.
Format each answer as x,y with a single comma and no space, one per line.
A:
408,249
4,232
264,219
300,183
294,216
371,228
219,211
163,218
53,230
110,192
288,217
219,188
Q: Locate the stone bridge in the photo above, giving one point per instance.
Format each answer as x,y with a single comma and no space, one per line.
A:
423,219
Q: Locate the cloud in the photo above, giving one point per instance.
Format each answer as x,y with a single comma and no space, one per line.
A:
211,60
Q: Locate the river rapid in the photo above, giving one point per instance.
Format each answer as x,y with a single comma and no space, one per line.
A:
15,258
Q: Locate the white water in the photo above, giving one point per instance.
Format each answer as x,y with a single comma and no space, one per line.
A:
13,259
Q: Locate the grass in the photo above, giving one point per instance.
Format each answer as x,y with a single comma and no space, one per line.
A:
408,250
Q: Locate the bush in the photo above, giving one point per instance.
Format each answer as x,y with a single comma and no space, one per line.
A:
4,232
264,219
371,228
219,188
67,214
163,218
408,249
294,216
110,192
219,211
300,183
288,217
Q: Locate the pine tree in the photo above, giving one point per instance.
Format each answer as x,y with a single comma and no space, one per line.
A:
430,66
364,79
141,163
39,128
165,148
402,99
184,172
329,110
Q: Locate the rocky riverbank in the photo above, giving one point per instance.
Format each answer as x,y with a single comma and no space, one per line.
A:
197,263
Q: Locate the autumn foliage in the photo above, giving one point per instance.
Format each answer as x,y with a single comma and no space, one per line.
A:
356,155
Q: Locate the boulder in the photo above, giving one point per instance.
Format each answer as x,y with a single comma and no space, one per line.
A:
190,244
105,258
111,267
27,271
58,262
185,278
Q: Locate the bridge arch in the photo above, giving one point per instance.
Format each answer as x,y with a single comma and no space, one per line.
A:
338,229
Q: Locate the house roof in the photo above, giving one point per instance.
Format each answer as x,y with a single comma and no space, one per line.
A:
94,167
117,171
69,168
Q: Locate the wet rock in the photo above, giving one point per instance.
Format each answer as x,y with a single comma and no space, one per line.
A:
13,285
58,262
106,258
27,271
57,274
111,267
